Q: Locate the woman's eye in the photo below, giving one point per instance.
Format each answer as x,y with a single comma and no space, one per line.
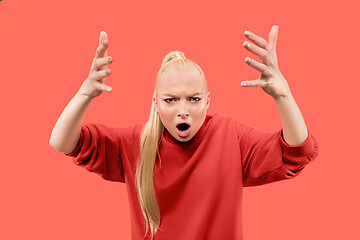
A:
169,100
195,99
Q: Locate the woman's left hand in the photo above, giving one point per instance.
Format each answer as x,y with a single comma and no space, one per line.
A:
271,79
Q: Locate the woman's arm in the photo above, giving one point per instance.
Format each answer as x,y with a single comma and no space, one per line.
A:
66,132
294,128
273,83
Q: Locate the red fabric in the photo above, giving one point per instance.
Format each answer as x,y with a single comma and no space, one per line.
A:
198,183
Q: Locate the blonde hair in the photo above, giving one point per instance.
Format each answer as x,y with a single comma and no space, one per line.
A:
149,144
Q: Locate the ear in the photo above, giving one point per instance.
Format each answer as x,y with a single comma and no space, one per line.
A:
208,101
155,102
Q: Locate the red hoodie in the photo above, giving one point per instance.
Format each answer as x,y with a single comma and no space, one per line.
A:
198,183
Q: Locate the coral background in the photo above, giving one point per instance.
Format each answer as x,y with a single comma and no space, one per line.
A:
46,52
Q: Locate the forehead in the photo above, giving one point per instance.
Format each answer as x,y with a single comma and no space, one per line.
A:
175,82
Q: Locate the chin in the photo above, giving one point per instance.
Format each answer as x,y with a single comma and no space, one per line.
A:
183,139
180,139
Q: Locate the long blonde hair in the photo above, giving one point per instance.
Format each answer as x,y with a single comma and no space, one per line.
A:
149,145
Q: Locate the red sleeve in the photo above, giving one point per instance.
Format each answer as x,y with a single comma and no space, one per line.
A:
98,151
266,157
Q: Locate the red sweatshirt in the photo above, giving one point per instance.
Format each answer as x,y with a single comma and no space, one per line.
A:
198,183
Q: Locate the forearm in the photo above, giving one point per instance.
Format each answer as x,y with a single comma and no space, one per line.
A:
66,132
294,128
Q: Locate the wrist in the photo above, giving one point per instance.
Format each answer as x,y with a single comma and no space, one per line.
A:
283,97
83,96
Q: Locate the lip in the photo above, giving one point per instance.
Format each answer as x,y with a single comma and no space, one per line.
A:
182,123
183,134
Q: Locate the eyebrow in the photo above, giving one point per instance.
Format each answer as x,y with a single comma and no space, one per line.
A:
172,95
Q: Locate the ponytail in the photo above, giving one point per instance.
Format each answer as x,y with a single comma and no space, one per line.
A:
149,144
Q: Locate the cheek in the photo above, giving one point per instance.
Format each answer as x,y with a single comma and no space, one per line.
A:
166,111
198,109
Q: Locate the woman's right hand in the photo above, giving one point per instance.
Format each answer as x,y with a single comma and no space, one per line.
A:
94,85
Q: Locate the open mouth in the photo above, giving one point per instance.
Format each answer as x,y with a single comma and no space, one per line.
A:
183,127
183,130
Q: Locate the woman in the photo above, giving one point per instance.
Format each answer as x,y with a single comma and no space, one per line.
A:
184,170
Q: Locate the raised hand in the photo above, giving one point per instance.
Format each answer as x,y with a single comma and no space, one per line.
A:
94,85
271,80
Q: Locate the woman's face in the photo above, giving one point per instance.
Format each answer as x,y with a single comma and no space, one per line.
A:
181,101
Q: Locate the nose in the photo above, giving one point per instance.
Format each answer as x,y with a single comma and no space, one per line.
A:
183,112
183,115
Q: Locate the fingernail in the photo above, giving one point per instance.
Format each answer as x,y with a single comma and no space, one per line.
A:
109,90
243,84
246,44
109,59
108,71
248,60
247,34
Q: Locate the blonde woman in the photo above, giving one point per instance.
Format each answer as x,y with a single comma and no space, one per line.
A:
185,169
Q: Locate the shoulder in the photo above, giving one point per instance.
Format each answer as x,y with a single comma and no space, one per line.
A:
226,123
220,122
224,119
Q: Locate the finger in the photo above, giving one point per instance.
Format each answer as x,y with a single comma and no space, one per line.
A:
103,37
258,51
258,66
273,37
255,83
256,39
103,87
99,63
101,50
103,45
101,74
